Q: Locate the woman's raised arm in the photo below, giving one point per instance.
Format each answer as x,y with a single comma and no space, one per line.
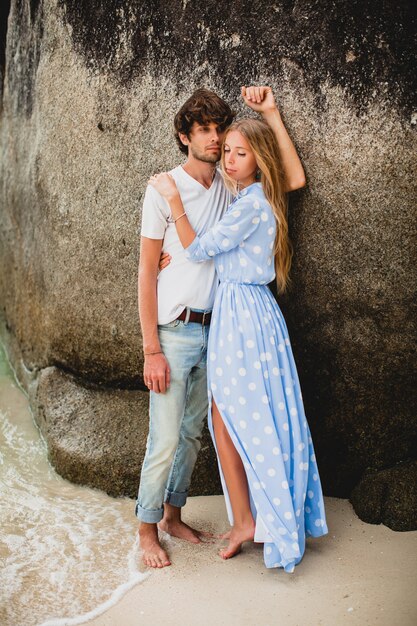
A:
261,99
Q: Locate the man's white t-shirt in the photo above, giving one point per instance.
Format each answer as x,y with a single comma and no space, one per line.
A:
184,283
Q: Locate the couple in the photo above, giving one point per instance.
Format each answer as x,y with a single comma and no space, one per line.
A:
224,234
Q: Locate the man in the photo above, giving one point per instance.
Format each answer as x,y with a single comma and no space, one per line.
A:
175,309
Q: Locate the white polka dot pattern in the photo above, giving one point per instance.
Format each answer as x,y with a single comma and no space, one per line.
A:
253,378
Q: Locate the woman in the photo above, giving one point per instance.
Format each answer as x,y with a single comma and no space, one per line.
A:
256,417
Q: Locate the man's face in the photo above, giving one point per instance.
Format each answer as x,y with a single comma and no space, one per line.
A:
204,142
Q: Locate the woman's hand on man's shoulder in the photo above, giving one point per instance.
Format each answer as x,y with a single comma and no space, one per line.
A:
164,184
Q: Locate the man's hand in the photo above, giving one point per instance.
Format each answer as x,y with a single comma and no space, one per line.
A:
260,99
156,373
164,184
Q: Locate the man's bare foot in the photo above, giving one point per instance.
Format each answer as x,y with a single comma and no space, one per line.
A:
238,535
178,528
153,554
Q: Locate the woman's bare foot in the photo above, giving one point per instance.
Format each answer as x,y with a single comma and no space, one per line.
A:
178,528
225,535
153,554
238,535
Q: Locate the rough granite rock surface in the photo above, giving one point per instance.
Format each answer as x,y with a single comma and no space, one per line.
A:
98,436
388,497
88,96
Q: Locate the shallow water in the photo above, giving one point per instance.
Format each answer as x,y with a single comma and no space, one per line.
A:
67,552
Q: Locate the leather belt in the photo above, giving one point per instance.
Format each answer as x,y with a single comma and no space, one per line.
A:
195,316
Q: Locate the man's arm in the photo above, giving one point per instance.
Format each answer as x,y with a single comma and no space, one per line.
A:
156,368
261,99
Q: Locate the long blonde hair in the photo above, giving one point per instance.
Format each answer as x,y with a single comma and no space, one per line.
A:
264,146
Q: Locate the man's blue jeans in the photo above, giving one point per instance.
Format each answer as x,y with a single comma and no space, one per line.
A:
176,420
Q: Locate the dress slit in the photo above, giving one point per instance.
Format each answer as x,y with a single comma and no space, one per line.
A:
258,520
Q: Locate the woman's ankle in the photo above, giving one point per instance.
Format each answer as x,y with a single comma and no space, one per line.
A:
244,523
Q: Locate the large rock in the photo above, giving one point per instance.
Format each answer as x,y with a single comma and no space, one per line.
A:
90,90
97,437
388,497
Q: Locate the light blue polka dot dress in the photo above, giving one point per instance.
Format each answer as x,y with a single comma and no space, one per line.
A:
253,379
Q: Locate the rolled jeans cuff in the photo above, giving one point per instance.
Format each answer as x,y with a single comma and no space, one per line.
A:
149,516
175,498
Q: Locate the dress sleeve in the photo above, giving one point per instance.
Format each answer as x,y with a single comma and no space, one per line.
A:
236,226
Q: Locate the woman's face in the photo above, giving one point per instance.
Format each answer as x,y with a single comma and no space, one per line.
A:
239,160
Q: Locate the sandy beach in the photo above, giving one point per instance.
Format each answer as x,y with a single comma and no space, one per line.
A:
67,550
359,574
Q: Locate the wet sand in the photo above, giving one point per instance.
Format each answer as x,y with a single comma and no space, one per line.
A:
359,574
53,534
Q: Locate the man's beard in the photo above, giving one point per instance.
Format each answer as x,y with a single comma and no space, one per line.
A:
205,157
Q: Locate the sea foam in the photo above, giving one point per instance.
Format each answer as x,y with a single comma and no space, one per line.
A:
68,552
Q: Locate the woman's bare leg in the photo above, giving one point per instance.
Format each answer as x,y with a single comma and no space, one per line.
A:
237,486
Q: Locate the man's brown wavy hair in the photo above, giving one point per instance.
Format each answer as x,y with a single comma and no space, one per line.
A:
203,107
